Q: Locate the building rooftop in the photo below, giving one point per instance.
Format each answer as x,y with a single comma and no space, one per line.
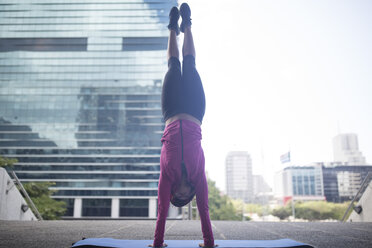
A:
64,233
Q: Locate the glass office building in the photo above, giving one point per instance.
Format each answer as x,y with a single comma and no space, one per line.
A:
307,181
342,183
300,182
80,86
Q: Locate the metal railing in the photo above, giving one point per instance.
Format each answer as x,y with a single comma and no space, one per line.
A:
24,192
187,212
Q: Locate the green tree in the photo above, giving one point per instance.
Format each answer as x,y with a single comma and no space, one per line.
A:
7,162
313,210
320,210
40,193
259,209
239,205
221,206
282,212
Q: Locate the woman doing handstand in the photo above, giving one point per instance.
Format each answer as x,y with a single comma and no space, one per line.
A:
182,172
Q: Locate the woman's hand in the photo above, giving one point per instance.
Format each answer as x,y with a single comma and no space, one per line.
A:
202,245
164,245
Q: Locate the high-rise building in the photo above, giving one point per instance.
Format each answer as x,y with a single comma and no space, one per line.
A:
239,178
342,182
262,192
260,185
80,86
346,150
300,182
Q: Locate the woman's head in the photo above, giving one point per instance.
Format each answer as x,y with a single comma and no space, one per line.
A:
183,194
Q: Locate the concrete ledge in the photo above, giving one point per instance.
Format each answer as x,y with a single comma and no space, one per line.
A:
366,204
11,200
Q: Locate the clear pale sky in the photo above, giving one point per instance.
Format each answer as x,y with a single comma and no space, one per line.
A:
283,75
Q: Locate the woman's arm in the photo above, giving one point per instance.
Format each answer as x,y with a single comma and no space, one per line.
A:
202,202
164,191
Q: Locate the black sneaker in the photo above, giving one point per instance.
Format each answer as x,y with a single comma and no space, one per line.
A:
174,15
185,12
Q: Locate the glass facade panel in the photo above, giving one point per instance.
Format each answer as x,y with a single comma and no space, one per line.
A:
42,44
144,43
312,185
106,184
80,87
96,207
35,175
106,193
69,206
134,207
294,182
306,185
299,185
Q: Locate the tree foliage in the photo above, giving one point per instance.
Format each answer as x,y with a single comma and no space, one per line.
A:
320,210
313,210
221,206
259,209
40,193
7,162
282,212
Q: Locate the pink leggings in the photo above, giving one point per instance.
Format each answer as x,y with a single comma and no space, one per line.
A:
170,174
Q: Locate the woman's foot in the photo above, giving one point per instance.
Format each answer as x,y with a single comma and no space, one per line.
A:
174,15
163,246
185,12
202,245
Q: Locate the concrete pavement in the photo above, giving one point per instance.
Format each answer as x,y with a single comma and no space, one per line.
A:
62,233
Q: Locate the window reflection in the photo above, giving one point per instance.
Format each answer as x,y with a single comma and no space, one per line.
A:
80,97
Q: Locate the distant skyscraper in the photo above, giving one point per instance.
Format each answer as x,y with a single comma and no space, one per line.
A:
261,190
260,185
346,150
239,178
80,89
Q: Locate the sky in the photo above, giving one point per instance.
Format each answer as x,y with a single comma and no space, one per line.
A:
282,76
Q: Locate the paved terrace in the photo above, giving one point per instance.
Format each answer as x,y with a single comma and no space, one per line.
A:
63,233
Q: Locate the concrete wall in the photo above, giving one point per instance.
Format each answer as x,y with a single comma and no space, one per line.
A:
366,203
11,200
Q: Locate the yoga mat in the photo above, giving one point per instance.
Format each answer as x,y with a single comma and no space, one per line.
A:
119,243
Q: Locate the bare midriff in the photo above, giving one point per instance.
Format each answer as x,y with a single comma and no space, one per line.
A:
182,116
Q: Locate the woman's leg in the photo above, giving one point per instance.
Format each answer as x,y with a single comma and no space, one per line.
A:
174,29
172,45
172,80
192,87
171,86
188,41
